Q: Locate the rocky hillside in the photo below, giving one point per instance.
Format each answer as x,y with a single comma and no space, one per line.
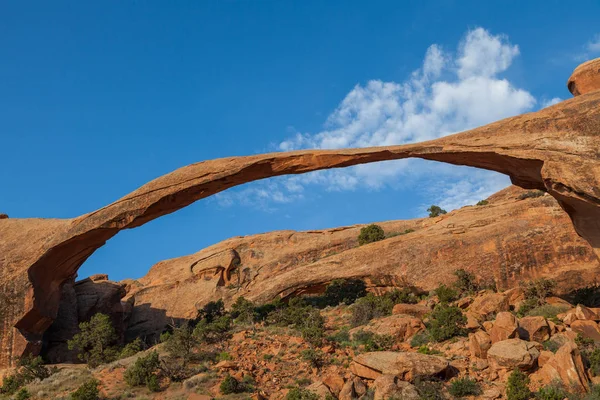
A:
517,235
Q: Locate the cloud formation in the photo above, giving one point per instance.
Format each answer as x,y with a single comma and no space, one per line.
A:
449,93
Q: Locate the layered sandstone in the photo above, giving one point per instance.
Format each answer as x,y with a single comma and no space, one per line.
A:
554,149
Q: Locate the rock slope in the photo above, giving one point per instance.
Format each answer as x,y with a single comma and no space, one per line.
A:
554,149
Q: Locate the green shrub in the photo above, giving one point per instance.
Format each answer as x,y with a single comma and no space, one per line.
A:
483,203
539,289
593,360
11,384
22,394
551,345
446,294
214,331
435,211
87,391
230,385
345,291
294,313
132,348
316,358
593,394
552,392
373,341
531,194
301,394
342,336
547,311
31,368
371,306
420,339
313,328
394,234
464,387
95,341
153,383
370,233
517,386
424,349
446,322
181,343
142,371
211,311
243,311
430,390
465,282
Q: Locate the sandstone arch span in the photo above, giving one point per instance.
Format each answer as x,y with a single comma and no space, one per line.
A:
555,149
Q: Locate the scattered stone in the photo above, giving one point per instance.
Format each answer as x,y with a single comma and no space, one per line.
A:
534,329
416,310
504,327
406,366
390,387
489,304
565,366
479,344
513,353
587,328
400,326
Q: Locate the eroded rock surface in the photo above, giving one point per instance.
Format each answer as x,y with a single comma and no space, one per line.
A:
554,149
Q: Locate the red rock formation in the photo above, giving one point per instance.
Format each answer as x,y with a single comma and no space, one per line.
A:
554,149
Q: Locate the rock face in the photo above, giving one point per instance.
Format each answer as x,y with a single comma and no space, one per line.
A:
406,366
554,149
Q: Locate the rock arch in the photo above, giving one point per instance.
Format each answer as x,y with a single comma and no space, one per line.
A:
555,149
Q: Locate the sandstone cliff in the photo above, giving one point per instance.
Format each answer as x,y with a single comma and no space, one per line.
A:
554,149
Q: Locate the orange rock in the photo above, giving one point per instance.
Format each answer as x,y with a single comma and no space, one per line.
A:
585,78
584,313
544,357
400,326
504,327
587,329
334,382
416,310
406,366
565,366
479,344
513,353
534,329
488,304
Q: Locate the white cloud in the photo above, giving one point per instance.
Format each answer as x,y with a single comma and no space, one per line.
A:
451,92
593,46
551,102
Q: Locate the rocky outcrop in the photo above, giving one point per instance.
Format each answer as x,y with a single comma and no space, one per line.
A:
554,149
406,366
513,353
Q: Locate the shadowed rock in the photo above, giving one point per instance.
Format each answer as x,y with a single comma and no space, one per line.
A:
554,149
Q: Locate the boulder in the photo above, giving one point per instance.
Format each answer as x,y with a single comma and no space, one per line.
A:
319,389
513,353
565,366
584,313
390,387
416,310
489,304
587,328
406,366
479,344
400,326
504,327
334,382
534,329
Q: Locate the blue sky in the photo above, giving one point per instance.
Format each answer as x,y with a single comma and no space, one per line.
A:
97,98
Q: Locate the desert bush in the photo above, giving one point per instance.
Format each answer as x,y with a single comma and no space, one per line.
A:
483,203
342,336
430,390
446,294
87,391
316,358
175,369
539,289
215,331
465,282
96,340
294,313
517,386
531,194
211,311
371,306
551,345
230,385
593,394
547,311
345,291
446,322
370,233
132,348
143,371
313,328
243,311
435,211
394,234
181,343
552,392
373,341
301,394
29,368
22,394
420,339
11,384
462,387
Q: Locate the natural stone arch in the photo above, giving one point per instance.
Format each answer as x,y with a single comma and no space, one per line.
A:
555,149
